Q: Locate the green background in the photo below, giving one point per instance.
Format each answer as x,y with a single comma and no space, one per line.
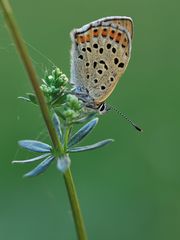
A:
127,190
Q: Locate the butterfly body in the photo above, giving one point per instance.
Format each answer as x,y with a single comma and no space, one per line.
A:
100,54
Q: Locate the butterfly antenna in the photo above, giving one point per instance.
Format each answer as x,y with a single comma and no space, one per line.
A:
125,117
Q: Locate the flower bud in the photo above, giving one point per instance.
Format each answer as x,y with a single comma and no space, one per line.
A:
57,72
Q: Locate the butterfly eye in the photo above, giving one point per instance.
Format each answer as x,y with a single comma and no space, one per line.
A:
102,108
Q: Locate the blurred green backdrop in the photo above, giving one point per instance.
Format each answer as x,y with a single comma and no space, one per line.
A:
128,190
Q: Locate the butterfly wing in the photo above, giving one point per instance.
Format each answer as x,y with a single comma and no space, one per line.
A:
100,54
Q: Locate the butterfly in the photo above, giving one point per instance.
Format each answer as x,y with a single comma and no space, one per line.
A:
100,54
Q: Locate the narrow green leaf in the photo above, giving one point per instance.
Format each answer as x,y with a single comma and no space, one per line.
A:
91,147
57,125
24,98
40,168
32,97
31,159
35,146
83,132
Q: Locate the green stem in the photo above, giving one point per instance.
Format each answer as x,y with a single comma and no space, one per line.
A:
75,205
68,129
21,47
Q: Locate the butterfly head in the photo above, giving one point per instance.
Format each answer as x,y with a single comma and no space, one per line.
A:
103,108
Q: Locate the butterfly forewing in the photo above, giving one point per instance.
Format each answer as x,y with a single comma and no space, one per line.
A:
100,54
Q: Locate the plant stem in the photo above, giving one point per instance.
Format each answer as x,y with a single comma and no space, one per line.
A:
75,205
21,47
68,129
